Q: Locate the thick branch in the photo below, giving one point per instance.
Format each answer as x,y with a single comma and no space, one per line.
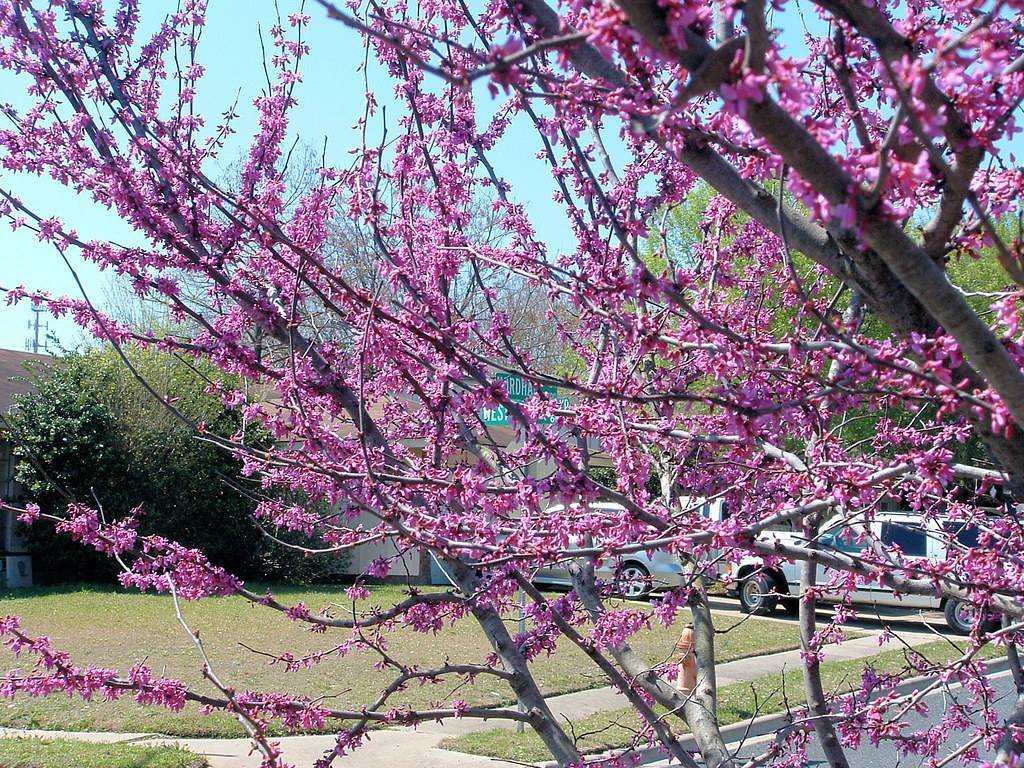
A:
538,713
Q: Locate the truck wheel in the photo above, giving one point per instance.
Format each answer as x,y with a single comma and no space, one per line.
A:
757,595
960,616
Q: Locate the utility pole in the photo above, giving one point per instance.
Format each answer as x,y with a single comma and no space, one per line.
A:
33,343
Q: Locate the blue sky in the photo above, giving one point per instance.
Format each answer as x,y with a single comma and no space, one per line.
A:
330,102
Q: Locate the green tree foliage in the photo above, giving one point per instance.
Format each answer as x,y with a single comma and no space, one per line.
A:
91,432
675,234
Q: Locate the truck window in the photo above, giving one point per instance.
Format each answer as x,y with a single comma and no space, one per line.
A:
965,534
841,537
909,538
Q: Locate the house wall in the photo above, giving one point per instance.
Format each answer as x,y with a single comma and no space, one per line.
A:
407,567
15,563
6,471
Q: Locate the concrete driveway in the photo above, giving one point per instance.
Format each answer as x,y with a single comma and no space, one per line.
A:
870,618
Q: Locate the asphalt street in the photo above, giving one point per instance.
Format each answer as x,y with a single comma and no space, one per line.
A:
884,755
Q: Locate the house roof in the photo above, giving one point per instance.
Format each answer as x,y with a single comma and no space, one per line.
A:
16,375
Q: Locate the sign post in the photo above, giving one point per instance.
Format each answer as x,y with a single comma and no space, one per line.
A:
519,391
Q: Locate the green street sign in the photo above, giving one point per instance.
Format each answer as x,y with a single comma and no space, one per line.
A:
519,391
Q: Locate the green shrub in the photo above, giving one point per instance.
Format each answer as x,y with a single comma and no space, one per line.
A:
91,432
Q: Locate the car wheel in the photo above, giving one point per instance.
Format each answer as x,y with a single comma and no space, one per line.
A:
757,595
960,616
632,581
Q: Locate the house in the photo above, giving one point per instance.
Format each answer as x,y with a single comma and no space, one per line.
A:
15,379
16,369
417,565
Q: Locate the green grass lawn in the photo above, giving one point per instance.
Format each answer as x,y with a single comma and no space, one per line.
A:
617,728
117,628
64,753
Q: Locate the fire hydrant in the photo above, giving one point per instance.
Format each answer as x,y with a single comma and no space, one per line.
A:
687,661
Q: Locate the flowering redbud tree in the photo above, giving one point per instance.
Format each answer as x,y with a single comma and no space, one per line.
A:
844,171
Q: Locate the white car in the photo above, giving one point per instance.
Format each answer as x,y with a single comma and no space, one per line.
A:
760,589
633,576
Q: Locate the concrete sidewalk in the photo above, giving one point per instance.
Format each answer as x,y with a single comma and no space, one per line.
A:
418,748
386,748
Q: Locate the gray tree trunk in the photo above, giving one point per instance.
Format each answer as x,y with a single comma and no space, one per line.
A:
542,720
817,704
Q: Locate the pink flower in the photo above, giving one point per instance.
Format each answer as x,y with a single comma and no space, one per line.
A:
30,514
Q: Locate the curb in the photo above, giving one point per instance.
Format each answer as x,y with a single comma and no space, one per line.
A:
751,729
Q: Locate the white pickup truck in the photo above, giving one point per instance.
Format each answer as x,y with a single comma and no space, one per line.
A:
760,589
